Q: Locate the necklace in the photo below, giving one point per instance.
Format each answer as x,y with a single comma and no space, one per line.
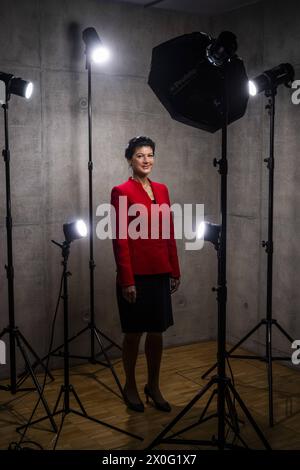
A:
147,185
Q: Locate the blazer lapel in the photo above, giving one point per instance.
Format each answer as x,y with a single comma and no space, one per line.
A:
155,191
143,192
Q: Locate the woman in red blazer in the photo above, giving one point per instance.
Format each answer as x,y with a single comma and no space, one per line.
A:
147,272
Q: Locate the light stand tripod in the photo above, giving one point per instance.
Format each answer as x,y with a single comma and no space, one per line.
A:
16,338
223,387
95,334
67,389
268,322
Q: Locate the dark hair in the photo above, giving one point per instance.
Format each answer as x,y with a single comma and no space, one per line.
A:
139,141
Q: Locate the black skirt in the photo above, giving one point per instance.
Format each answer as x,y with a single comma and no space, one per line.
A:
152,311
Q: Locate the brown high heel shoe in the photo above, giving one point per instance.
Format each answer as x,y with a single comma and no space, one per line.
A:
162,406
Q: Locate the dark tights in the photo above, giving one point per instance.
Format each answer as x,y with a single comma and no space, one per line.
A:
153,351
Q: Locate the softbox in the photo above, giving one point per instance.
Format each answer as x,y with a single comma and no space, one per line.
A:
191,88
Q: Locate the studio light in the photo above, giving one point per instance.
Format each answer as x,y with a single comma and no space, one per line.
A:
222,49
209,232
28,90
268,82
16,85
95,50
75,230
270,79
203,83
187,76
100,55
67,391
95,53
18,344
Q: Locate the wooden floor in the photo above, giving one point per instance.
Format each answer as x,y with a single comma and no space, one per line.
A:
180,380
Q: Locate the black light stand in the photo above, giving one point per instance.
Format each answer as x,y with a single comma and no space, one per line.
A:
96,334
268,322
16,338
67,389
222,385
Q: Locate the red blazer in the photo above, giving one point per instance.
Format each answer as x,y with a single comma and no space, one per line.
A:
143,256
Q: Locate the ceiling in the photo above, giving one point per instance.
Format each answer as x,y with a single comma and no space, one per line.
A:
204,7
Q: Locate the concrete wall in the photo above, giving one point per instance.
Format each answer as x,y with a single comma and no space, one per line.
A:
41,40
268,34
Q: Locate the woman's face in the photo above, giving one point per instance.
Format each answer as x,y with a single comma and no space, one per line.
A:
142,161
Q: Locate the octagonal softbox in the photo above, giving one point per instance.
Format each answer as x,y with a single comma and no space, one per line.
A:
191,88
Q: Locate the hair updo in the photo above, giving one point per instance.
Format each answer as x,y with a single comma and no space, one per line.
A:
135,142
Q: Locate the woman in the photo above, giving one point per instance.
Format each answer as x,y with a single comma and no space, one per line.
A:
147,274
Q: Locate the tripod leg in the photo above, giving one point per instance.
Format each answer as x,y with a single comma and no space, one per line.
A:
58,399
31,423
185,410
108,339
72,390
270,371
38,360
283,331
246,337
109,363
59,431
232,412
83,330
36,383
209,371
249,417
207,406
110,426
201,420
237,434
57,349
234,348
